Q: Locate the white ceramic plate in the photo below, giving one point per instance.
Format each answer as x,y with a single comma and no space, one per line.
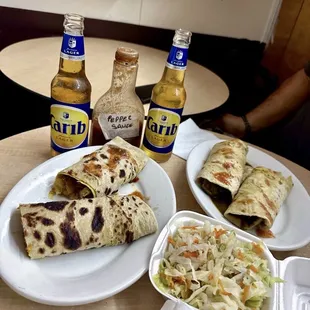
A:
291,226
86,276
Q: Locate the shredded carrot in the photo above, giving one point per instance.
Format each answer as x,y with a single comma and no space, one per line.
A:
189,254
219,233
240,255
190,227
171,241
210,276
179,280
257,248
253,268
246,292
241,284
222,289
196,240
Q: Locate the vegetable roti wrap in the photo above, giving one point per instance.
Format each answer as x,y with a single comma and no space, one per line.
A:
102,172
222,173
259,199
58,227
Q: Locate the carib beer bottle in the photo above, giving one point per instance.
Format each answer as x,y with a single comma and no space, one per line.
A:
70,91
167,101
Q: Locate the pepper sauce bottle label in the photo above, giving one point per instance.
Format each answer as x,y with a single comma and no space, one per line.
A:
72,47
123,125
161,128
69,125
177,58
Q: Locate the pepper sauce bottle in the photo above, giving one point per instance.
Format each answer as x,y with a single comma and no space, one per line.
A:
119,112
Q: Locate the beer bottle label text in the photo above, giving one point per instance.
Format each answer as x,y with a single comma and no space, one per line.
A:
69,125
177,58
161,128
72,47
123,125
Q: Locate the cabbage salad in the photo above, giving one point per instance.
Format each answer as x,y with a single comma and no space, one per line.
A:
209,268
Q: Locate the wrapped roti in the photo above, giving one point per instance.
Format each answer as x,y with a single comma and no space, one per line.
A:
58,227
259,199
223,171
247,171
102,172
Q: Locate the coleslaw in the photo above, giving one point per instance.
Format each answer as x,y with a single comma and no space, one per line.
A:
209,268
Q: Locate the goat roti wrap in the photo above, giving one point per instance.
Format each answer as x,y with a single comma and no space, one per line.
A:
222,172
58,227
102,172
259,199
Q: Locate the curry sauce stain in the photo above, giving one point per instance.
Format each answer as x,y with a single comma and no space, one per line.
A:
228,165
264,233
92,168
270,203
222,177
267,213
116,154
137,194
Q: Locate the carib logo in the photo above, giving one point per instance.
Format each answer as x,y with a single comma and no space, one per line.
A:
69,126
72,42
179,55
162,126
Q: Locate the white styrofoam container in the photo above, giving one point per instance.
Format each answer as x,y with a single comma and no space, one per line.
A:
294,294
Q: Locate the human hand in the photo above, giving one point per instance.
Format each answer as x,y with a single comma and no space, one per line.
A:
231,124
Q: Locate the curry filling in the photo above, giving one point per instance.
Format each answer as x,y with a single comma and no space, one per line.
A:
69,187
216,191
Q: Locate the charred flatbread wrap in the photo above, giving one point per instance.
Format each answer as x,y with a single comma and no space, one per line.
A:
222,172
58,227
102,172
259,199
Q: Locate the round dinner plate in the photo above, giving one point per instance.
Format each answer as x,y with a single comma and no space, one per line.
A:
83,276
292,224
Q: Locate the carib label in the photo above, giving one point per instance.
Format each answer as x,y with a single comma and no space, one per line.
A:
72,47
69,125
161,128
177,58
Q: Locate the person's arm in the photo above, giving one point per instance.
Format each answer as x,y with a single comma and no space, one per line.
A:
280,104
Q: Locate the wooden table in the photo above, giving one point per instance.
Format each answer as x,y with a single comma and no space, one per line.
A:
21,153
33,64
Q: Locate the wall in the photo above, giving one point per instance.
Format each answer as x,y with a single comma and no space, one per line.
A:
249,19
291,47
228,35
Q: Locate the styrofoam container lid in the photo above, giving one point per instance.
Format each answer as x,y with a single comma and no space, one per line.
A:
294,294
